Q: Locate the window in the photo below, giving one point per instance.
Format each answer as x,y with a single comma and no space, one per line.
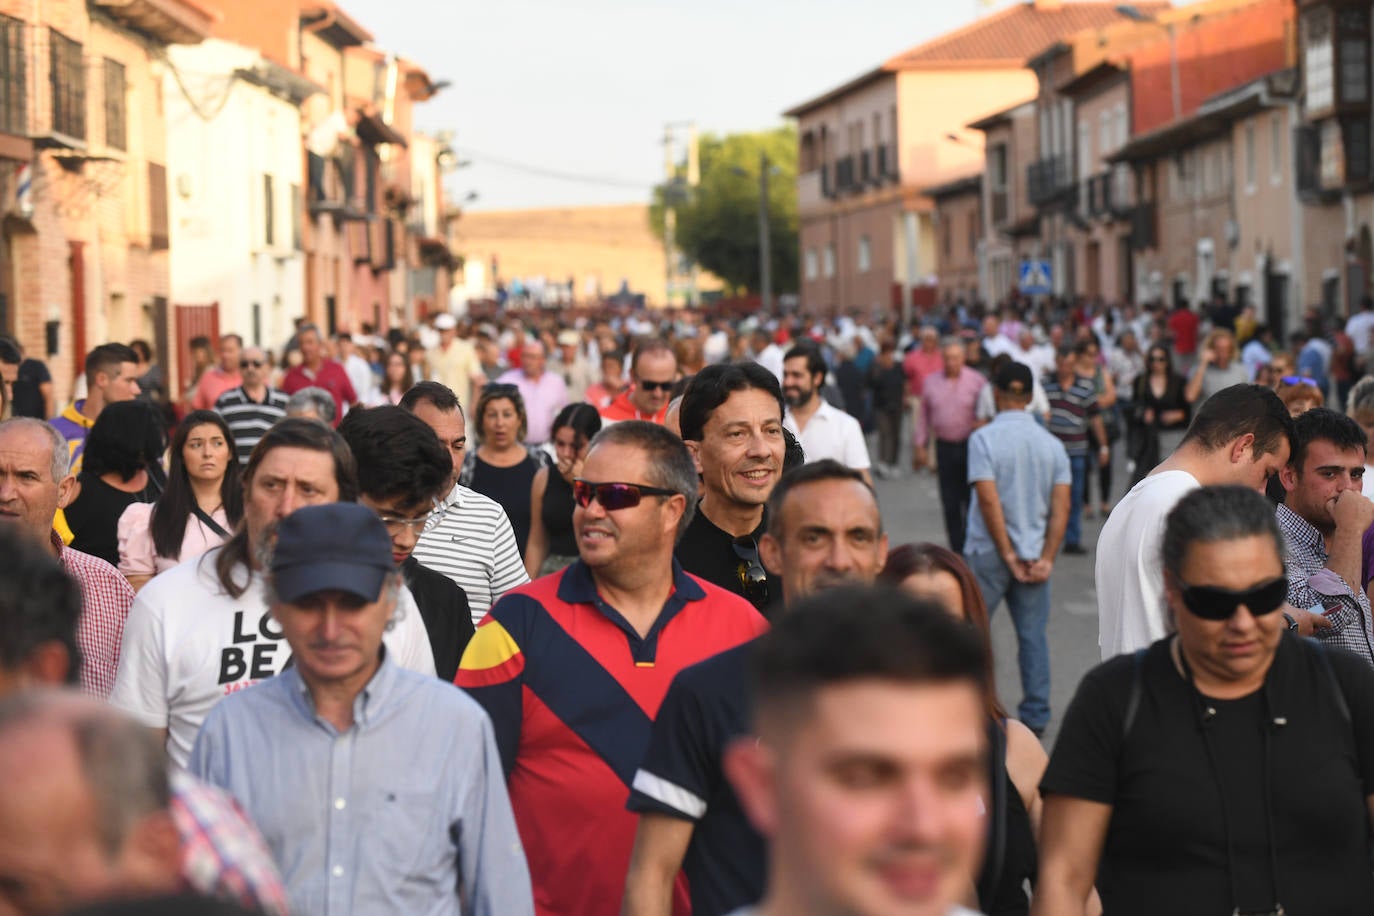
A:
828,261
946,237
269,236
157,207
997,182
296,218
116,133
810,263
13,77
1276,148
1250,158
972,232
68,78
1318,59
865,256
1352,32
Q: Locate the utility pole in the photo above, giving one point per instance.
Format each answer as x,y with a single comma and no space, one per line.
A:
765,242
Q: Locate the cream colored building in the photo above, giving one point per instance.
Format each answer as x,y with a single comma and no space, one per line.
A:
868,148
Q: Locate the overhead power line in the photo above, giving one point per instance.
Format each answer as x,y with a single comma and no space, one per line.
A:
556,174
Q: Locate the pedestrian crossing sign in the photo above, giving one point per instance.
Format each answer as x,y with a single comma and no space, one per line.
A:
1035,278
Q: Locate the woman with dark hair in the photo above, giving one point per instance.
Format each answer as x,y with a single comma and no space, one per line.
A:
202,504
397,379
1228,767
1017,760
551,544
1160,412
502,467
121,466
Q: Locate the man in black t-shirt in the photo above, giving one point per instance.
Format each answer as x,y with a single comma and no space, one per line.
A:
402,471
825,530
731,419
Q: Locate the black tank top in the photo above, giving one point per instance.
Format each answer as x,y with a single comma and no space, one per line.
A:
556,515
1003,893
511,488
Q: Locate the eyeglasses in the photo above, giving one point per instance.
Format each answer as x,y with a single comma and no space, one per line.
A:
613,496
1212,603
654,386
255,363
418,525
1300,380
753,578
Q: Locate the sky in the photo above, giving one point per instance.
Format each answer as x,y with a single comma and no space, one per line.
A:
564,102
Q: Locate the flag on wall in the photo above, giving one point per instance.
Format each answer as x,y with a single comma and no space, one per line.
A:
23,189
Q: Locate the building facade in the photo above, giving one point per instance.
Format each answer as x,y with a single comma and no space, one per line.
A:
83,175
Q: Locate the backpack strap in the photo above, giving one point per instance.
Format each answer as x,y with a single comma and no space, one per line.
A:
1137,689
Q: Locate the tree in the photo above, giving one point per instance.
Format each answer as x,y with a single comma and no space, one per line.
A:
718,220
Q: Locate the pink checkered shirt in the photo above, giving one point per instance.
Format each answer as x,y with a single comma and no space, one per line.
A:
105,600
222,854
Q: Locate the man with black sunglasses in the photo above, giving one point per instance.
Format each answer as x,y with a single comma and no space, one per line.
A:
1323,518
653,372
252,407
573,666
732,420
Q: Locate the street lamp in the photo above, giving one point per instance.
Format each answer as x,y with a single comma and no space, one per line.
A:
765,236
1133,13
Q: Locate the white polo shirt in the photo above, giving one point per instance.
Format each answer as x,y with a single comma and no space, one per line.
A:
831,433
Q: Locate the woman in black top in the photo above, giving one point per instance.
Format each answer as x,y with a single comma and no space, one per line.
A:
1228,768
552,545
121,466
1017,760
1160,412
502,467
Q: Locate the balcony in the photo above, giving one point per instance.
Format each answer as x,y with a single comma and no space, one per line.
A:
845,178
1048,179
1103,197
866,173
887,164
1144,226
1000,203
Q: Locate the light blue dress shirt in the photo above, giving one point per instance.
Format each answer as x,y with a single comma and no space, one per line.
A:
1026,463
406,812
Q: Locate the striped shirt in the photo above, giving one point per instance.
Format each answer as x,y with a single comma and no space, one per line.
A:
105,600
1070,411
248,419
472,543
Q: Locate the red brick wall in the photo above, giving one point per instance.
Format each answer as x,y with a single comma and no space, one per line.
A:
1213,55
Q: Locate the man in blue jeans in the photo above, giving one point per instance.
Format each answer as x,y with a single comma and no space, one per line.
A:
1021,477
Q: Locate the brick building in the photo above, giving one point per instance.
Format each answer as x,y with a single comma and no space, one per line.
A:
83,166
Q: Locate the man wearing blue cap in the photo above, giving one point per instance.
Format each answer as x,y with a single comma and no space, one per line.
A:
380,790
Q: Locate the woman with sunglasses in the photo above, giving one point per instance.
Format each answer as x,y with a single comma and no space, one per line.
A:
1160,412
202,504
552,545
502,467
1017,760
1229,767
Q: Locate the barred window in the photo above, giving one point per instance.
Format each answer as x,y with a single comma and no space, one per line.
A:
68,77
13,77
116,129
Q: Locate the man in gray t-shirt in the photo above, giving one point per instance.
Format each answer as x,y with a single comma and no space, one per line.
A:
1218,368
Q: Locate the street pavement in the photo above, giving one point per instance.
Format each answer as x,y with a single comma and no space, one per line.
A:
911,513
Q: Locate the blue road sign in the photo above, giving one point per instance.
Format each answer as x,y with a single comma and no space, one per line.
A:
1036,278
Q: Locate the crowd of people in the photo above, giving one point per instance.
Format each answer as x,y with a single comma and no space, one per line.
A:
291,642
